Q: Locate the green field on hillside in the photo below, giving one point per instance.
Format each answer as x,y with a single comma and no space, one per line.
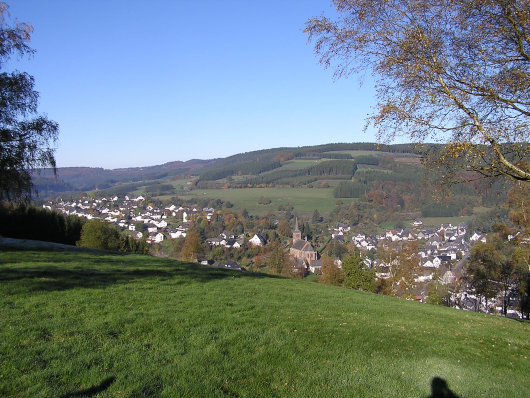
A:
299,164
355,153
436,221
80,324
304,200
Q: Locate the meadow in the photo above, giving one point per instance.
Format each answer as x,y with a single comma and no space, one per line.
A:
305,200
101,324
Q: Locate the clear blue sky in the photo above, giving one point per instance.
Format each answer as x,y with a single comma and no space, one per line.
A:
139,83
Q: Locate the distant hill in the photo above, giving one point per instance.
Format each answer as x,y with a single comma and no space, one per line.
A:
75,179
80,179
387,183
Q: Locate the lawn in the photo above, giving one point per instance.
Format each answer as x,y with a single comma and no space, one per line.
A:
80,324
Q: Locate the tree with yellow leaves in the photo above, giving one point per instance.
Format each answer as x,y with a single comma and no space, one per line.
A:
448,71
192,246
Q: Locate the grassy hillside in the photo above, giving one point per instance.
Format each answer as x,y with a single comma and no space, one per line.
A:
81,324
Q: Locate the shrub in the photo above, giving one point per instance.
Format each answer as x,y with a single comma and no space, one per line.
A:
98,234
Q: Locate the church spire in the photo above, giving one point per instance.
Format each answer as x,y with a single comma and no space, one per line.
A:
297,235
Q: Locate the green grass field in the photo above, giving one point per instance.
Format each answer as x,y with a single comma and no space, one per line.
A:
360,153
437,221
299,164
304,200
80,324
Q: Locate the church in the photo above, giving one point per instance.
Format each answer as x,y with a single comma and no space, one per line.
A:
301,248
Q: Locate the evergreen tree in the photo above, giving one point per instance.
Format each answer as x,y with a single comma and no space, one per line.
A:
316,217
357,275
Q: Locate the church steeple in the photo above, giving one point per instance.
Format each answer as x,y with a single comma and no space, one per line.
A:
297,235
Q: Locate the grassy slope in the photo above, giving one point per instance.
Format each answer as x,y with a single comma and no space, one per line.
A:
73,324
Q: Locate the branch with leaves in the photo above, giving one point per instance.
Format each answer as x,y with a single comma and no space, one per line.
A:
454,72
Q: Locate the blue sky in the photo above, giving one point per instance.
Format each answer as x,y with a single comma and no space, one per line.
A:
136,83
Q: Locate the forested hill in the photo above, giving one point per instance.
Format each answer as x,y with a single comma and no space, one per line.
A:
255,163
89,178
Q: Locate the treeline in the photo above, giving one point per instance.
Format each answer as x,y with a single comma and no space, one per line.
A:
396,173
371,160
152,188
441,210
359,146
159,189
336,156
87,178
270,178
319,151
368,160
244,168
350,189
333,168
127,188
29,222
34,223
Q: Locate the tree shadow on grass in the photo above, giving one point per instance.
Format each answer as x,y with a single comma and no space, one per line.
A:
440,389
89,392
47,271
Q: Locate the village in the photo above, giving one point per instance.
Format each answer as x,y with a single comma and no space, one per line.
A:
442,250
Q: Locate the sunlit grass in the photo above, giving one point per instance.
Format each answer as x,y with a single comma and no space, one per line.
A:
304,200
75,324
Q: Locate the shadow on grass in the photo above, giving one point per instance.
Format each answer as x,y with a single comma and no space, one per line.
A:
89,392
49,271
439,389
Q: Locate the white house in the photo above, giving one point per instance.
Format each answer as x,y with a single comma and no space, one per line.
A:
213,241
428,264
477,237
177,234
161,224
336,233
159,237
417,222
232,243
256,240
359,238
423,278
